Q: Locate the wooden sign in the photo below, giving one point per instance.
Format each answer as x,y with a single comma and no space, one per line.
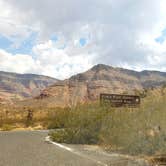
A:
117,100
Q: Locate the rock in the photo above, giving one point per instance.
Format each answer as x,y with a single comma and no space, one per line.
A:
87,86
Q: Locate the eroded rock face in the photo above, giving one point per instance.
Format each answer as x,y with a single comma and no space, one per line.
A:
87,86
66,93
20,86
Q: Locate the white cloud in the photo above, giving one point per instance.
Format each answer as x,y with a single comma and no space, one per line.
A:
118,33
56,62
16,63
13,24
48,61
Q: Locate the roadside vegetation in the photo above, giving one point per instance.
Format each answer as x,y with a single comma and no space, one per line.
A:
18,117
135,131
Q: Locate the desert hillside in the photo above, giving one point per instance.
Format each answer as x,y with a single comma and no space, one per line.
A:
101,78
19,86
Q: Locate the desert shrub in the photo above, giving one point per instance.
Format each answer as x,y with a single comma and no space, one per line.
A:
128,130
149,145
82,125
59,119
141,131
60,136
6,127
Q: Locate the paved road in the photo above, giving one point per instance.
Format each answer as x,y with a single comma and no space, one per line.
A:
30,149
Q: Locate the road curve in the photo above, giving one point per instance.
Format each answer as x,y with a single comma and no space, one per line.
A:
29,148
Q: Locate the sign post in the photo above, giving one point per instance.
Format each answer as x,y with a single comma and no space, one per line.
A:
116,100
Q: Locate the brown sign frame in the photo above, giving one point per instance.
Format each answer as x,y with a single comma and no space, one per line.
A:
118,100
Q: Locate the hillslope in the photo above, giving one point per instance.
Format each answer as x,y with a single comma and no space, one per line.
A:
20,86
87,86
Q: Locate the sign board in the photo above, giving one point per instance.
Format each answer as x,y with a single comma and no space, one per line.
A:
116,100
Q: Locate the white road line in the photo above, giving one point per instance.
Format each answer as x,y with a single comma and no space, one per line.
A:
47,139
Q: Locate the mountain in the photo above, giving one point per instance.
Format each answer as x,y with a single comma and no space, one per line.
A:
20,86
101,78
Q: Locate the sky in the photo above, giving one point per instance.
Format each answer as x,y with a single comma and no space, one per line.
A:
60,38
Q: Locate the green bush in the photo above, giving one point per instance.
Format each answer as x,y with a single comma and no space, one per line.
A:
7,127
80,126
141,131
128,130
59,136
59,119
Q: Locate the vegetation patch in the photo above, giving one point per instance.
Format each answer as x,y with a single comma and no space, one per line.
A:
127,130
7,127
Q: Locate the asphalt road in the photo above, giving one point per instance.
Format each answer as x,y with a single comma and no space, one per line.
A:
30,149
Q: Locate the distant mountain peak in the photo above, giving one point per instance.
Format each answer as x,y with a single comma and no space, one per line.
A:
87,86
101,67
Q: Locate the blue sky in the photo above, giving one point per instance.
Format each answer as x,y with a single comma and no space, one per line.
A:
161,39
25,46
5,43
39,37
83,41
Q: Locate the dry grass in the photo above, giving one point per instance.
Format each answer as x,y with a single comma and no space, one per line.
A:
17,116
127,130
133,131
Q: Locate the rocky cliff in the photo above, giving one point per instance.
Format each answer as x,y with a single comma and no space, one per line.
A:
87,86
20,86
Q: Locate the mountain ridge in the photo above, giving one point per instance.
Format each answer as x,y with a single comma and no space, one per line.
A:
87,86
14,86
79,88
